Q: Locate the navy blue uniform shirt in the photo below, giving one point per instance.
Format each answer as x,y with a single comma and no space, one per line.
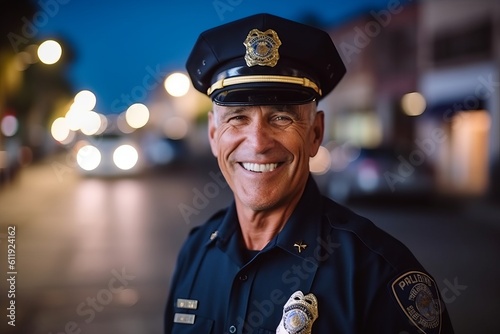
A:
365,281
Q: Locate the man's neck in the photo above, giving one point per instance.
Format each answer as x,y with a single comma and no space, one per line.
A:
260,227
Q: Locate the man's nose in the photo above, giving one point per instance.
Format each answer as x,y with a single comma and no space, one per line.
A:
260,135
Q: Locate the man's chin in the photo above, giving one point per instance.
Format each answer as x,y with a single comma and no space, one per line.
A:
260,199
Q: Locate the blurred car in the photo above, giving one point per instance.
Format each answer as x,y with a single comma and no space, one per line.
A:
382,173
109,154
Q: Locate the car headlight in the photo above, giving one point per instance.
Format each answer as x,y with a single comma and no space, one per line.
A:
125,157
88,157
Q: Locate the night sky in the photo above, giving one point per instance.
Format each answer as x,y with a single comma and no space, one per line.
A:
117,44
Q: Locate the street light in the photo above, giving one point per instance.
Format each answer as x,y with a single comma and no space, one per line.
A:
49,52
137,115
85,100
61,132
413,104
91,123
177,84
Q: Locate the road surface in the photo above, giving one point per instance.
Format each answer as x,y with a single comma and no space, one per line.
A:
96,255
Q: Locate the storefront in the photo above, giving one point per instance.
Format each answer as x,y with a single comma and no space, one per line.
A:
463,106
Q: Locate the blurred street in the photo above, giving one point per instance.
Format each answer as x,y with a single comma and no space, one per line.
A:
103,144
96,255
78,240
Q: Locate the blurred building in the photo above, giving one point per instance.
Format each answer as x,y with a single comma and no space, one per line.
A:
31,92
459,59
423,79
379,49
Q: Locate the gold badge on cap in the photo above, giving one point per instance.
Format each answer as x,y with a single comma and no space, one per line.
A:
299,314
262,48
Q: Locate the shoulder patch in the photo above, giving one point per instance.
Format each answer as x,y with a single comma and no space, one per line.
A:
418,296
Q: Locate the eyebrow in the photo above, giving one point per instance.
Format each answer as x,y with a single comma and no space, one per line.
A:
277,107
236,110
233,111
289,109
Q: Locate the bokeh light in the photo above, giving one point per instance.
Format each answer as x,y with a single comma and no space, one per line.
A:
49,52
91,123
104,124
88,157
137,115
9,126
60,129
22,61
413,104
27,57
342,154
368,177
128,297
74,118
320,163
122,124
175,127
125,157
85,100
177,84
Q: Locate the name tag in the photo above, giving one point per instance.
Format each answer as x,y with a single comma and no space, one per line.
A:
182,318
189,304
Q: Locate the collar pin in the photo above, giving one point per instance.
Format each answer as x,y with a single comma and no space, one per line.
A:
300,246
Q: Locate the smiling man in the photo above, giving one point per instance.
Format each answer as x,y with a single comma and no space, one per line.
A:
263,152
282,258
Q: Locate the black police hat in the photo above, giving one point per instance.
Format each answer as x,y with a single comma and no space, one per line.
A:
264,59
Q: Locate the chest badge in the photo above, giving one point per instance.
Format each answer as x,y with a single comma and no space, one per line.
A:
262,48
299,314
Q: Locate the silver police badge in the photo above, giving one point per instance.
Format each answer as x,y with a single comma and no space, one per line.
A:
418,296
262,48
299,314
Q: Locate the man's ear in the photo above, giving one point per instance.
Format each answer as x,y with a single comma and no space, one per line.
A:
318,129
212,127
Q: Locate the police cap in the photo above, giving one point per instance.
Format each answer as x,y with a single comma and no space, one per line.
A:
264,59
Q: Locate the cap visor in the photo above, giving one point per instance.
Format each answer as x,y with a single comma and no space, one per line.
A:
263,96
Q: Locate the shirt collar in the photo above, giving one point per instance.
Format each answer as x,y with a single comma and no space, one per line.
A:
299,235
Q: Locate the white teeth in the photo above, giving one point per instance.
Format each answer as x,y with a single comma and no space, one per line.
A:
260,168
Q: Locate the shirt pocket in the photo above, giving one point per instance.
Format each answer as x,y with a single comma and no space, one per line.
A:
201,326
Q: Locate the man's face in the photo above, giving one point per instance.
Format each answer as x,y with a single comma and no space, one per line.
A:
264,151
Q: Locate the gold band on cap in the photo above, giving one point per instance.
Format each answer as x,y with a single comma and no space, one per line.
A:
305,82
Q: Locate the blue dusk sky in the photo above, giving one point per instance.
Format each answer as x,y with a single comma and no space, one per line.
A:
119,43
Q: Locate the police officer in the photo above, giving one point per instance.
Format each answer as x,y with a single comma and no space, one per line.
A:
282,258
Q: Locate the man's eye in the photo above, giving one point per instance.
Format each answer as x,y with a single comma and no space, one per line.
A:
282,120
236,119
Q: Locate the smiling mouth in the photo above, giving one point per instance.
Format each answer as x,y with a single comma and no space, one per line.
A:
259,168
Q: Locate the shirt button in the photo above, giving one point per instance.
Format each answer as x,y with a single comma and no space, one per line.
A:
232,329
243,277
